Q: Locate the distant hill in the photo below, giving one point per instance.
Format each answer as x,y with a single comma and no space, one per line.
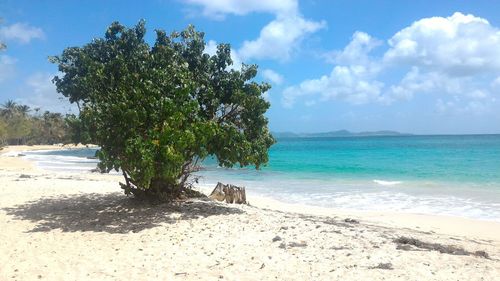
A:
340,133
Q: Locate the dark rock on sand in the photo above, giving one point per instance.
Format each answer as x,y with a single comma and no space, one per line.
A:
353,221
297,244
381,265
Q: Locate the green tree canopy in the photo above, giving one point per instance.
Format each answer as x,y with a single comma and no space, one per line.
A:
19,126
156,111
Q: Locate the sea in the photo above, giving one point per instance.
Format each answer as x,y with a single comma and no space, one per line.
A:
456,175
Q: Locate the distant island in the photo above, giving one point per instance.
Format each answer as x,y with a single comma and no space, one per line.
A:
339,134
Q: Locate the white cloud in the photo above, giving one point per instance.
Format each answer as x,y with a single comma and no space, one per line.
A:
352,80
41,93
475,107
416,81
21,32
444,106
457,56
459,45
272,76
219,8
7,67
478,94
439,83
412,82
356,52
460,107
211,49
279,38
352,84
266,96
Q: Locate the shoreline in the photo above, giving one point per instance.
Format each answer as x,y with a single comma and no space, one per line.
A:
69,226
10,160
443,224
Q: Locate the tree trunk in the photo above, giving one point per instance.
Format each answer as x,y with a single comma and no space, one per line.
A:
229,193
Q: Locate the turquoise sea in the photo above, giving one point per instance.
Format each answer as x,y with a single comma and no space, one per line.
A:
450,175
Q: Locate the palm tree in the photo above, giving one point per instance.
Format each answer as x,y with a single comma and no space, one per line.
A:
9,109
23,109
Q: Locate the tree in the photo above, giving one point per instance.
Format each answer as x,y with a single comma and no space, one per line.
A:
16,120
18,129
53,127
18,126
3,132
9,109
23,110
157,111
76,130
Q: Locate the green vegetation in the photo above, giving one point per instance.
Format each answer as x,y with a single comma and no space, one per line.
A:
18,126
157,111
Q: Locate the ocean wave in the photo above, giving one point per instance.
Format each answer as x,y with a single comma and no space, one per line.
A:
67,167
12,154
63,163
387,183
61,159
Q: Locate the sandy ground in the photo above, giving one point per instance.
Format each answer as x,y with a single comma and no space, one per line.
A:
57,226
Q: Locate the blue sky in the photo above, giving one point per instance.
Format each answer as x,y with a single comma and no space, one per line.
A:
426,67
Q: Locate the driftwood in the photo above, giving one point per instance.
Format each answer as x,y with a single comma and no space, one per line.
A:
229,193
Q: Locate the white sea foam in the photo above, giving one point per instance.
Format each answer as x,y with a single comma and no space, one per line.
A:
358,195
66,167
387,183
61,163
11,153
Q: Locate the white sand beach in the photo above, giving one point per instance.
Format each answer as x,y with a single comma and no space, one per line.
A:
61,226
